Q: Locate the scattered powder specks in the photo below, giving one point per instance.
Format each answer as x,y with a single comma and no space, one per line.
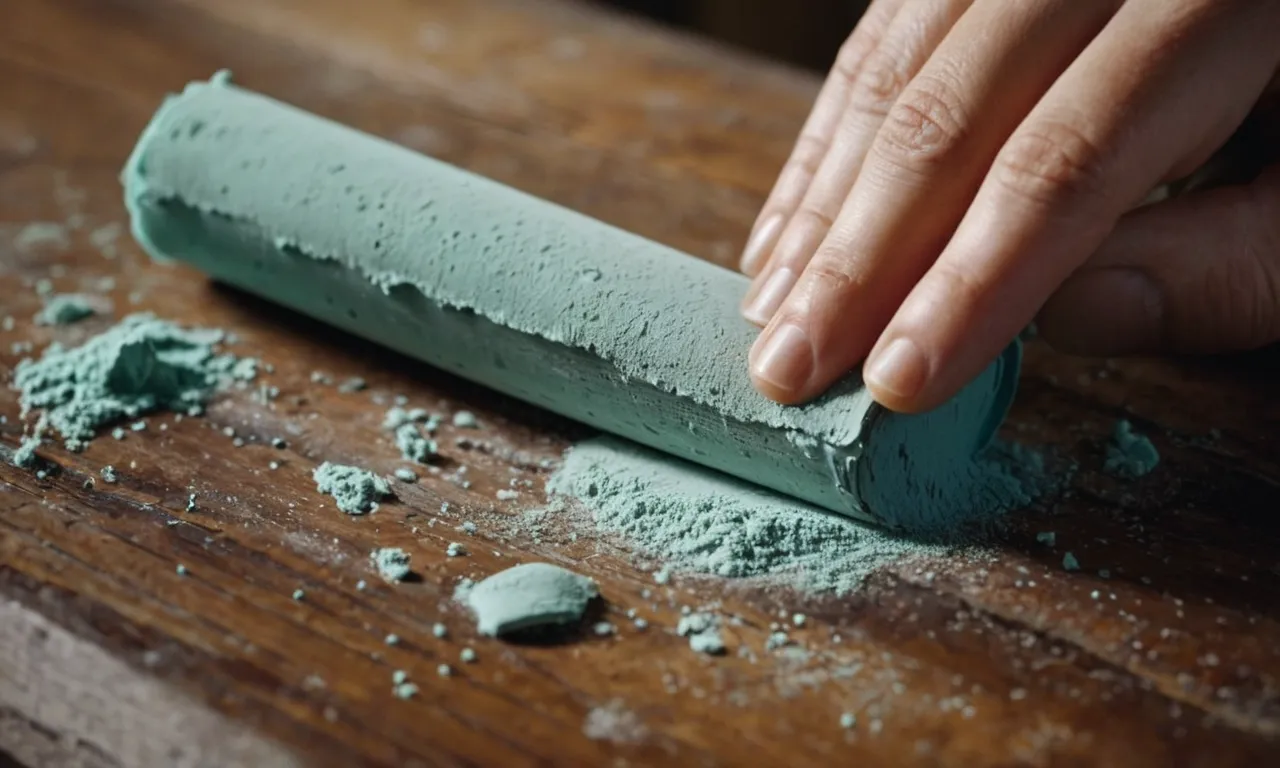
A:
703,631
42,234
614,722
1130,454
397,417
64,309
104,238
699,520
355,490
353,384
392,563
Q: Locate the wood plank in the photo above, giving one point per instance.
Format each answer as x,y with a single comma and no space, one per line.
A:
999,659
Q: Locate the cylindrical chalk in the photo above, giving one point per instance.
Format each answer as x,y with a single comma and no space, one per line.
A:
531,299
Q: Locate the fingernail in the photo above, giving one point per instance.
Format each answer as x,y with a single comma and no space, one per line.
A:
770,296
785,359
900,369
760,244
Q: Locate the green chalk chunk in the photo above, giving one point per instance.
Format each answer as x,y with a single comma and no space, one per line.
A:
356,491
531,299
392,563
529,595
1130,454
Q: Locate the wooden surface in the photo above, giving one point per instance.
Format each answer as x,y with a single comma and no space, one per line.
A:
109,657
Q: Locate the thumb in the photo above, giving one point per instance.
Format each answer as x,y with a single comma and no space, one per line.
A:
1199,273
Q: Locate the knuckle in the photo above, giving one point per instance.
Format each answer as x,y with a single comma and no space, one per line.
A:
849,60
1253,284
836,274
1050,160
810,214
875,86
1235,302
925,124
962,288
808,153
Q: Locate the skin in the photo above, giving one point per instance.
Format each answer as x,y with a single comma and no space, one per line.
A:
973,165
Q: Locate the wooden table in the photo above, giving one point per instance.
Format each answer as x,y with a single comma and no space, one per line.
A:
109,657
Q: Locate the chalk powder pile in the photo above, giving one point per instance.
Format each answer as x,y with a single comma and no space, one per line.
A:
702,521
141,364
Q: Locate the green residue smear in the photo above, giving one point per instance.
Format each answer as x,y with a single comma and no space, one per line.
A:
697,520
140,365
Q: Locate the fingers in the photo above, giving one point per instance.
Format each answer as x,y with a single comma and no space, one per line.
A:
903,49
1101,137
927,160
816,135
1193,274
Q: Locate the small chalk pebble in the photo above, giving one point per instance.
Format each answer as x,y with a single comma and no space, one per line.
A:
392,639
405,690
455,550
406,475
399,676
848,720
439,630
444,670
273,466
1070,563
641,624
298,594
469,527
278,442
467,655
181,569
506,495
799,619
361,584
465,420
603,628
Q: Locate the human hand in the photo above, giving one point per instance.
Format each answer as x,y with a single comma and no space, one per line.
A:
968,161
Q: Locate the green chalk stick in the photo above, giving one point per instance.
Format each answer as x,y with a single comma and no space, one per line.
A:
531,299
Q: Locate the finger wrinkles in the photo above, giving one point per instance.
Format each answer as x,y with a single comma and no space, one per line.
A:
926,125
1048,160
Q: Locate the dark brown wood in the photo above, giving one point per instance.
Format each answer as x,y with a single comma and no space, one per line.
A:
109,657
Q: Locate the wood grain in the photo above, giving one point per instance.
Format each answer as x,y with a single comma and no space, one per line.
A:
109,657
